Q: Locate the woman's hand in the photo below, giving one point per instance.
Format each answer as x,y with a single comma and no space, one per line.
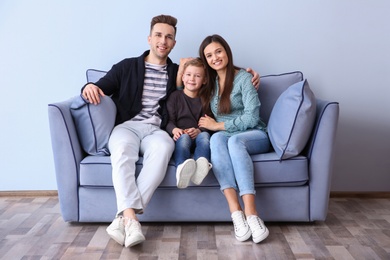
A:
255,79
92,93
210,123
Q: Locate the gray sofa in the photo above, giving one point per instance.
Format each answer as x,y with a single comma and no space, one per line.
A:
294,189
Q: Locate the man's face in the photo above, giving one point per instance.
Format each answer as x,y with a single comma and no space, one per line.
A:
161,40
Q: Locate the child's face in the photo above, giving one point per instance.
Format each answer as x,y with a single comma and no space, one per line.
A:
193,78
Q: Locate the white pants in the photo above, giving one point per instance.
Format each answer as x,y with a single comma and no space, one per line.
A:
127,141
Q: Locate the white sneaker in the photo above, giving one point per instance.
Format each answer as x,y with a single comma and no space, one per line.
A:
241,227
116,230
133,232
202,169
259,230
184,173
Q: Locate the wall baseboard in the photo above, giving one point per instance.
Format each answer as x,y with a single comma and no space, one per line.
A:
29,193
360,194
333,194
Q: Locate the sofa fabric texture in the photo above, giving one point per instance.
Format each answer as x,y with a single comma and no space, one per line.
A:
293,189
292,119
94,123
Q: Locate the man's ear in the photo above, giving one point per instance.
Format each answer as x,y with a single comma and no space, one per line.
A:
149,39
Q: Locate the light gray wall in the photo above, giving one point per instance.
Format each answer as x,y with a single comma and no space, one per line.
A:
341,46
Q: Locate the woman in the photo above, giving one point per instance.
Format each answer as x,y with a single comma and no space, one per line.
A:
239,132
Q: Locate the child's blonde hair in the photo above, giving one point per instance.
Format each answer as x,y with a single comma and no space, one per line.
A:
197,62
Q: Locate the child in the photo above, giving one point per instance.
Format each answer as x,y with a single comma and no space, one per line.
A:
184,110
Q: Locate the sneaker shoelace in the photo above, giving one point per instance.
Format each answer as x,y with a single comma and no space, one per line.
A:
133,225
239,221
255,223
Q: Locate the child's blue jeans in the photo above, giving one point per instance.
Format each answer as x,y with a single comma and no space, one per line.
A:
200,146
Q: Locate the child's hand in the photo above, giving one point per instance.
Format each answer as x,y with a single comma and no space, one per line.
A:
192,132
177,132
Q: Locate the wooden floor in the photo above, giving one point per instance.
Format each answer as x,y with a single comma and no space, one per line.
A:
356,228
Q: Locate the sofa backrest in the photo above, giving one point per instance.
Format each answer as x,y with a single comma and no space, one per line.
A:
271,86
94,75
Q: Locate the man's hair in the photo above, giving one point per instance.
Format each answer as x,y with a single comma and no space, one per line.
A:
167,19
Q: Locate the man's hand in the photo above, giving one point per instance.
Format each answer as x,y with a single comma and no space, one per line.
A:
180,72
255,79
92,93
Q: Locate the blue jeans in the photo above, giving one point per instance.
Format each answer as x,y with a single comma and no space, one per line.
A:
231,158
200,146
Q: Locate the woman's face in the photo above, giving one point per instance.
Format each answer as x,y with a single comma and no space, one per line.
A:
216,56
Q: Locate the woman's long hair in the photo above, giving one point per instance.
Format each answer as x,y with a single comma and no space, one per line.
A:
209,91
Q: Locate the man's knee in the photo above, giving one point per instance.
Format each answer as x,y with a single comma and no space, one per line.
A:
123,145
162,146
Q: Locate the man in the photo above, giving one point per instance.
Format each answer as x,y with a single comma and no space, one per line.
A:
139,87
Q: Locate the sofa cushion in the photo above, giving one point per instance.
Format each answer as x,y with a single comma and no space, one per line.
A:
270,171
94,123
291,120
95,171
271,87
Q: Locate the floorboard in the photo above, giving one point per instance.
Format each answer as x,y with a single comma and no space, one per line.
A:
355,228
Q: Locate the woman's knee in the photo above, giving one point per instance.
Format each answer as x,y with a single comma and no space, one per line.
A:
218,140
252,141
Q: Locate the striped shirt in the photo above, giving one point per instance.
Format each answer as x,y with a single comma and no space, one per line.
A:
155,85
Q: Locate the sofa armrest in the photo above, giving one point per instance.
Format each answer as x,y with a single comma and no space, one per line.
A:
67,153
320,151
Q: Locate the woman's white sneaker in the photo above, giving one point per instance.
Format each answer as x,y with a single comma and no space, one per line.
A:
241,227
259,230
